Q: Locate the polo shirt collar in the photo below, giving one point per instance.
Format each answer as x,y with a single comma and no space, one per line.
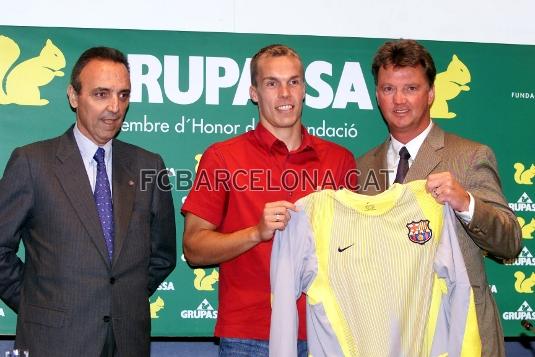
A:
270,142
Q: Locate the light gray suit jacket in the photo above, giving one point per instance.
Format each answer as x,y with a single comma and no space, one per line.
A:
493,228
67,292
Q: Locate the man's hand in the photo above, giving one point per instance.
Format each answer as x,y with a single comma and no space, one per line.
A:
275,216
446,189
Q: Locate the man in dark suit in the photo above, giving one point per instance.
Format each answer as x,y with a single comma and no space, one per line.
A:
94,252
459,172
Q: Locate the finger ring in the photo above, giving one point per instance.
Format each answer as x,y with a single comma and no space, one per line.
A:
277,219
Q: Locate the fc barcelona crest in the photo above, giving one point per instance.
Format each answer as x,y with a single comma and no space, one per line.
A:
419,232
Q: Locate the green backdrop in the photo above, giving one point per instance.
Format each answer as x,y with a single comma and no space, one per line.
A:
191,89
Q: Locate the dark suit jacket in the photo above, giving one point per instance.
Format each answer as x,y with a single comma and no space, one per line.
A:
67,292
493,228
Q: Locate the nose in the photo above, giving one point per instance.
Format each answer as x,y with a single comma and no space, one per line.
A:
284,91
399,97
113,104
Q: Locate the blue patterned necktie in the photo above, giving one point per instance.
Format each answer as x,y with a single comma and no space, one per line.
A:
403,165
102,196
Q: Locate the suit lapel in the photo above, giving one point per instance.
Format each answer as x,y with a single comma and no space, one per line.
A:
379,164
72,176
428,157
124,190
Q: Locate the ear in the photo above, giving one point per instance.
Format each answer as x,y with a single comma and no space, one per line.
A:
377,96
253,94
431,95
73,96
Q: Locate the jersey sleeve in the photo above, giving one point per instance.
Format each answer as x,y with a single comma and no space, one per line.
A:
293,267
456,331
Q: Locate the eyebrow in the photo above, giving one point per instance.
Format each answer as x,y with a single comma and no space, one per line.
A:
125,90
279,79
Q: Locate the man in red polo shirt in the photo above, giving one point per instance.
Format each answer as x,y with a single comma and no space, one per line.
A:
243,192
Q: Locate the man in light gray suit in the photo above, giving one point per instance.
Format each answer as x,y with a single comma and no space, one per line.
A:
458,171
94,252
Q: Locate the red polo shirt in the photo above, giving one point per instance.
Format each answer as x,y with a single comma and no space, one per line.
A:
234,181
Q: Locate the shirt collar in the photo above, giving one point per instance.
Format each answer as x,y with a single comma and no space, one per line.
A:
412,146
270,142
88,148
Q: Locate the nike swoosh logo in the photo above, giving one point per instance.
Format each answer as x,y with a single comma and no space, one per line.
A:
340,250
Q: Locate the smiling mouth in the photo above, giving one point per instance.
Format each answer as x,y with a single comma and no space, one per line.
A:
285,107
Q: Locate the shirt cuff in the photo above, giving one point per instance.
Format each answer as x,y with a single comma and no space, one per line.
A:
467,216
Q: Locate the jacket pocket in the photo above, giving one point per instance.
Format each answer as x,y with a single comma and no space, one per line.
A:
44,316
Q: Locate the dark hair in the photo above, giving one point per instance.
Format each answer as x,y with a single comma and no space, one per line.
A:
275,50
102,53
404,53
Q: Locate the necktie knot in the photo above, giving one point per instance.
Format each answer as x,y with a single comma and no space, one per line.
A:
99,156
404,153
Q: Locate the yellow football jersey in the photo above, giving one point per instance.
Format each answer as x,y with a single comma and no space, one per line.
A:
384,276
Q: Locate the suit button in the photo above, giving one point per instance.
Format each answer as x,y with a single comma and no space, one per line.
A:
112,280
106,319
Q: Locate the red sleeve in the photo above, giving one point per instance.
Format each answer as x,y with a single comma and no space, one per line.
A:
347,175
208,196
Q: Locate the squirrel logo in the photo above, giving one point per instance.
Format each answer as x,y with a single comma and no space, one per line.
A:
523,284
448,85
198,159
203,281
23,81
155,307
524,176
527,229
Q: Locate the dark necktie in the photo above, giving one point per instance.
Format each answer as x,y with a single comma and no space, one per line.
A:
403,165
102,196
